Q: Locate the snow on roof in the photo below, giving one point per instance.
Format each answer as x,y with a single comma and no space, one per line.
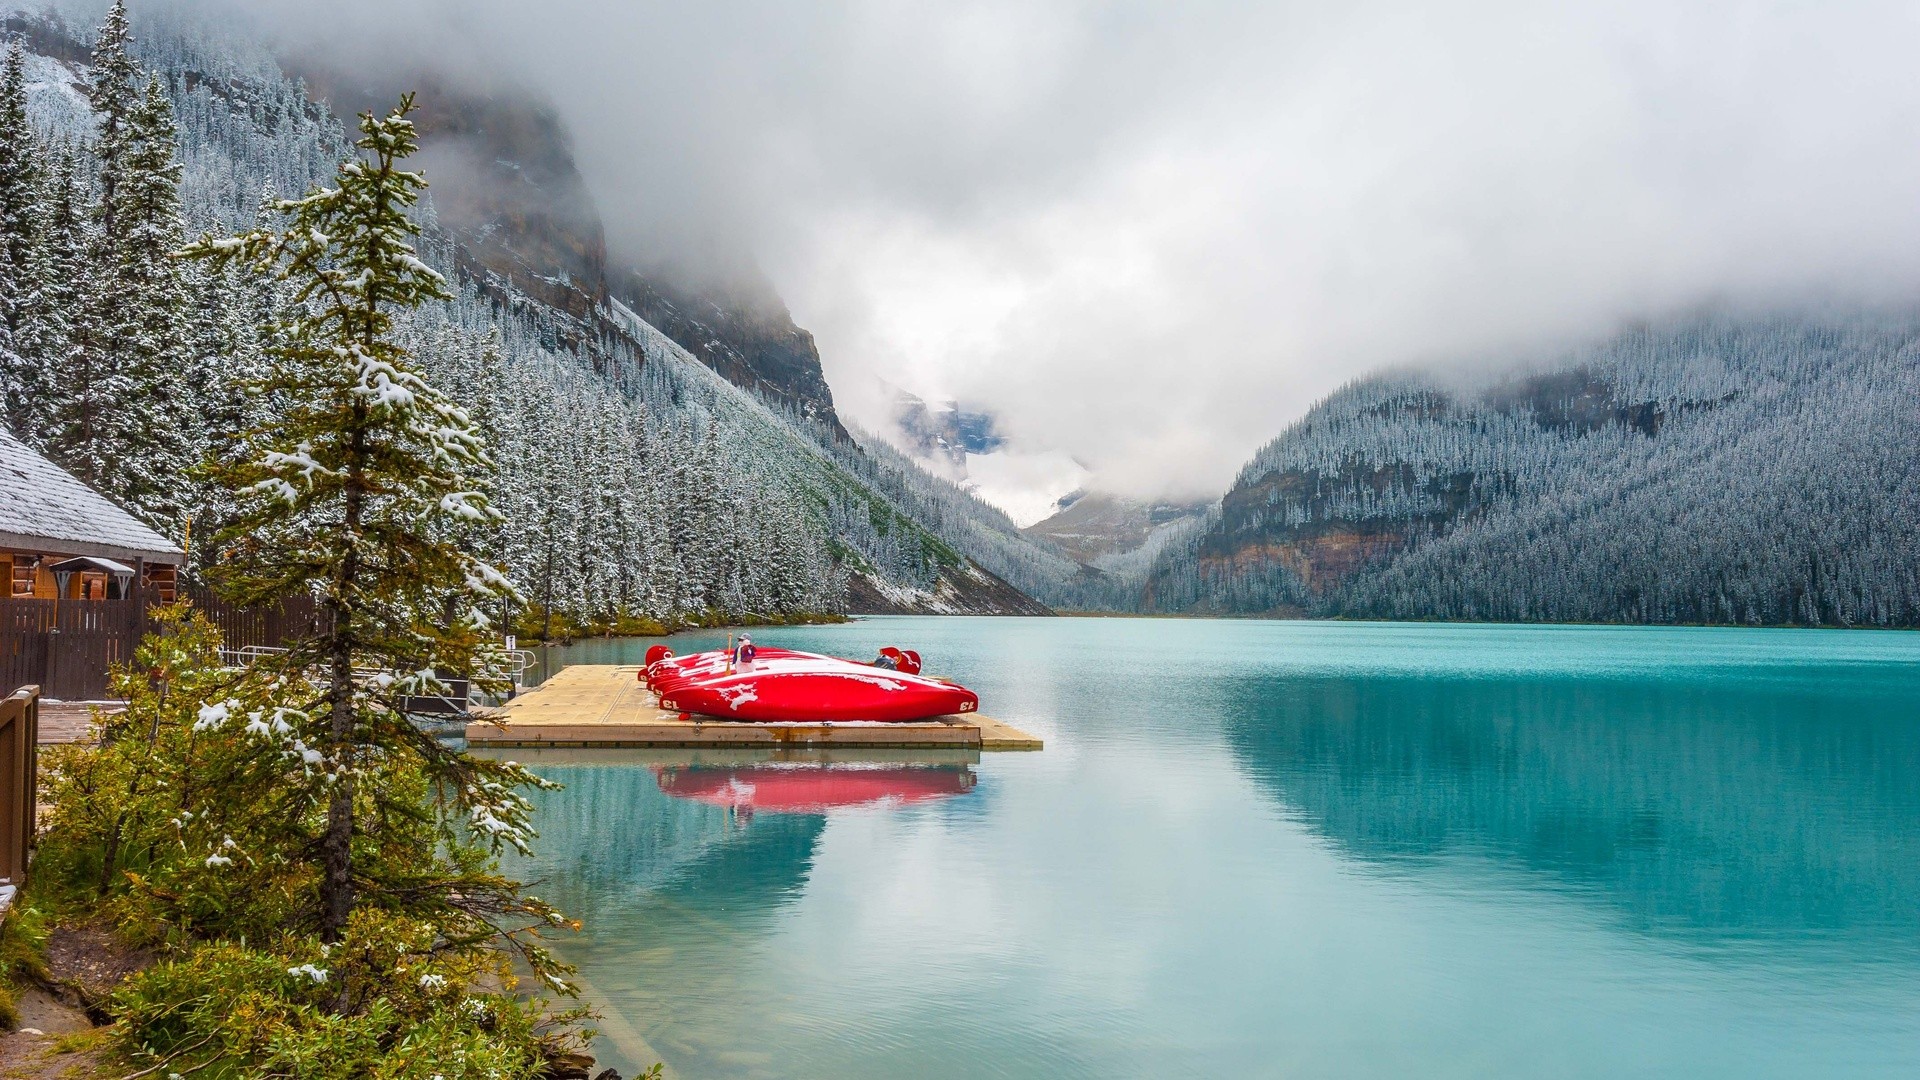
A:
43,507
94,562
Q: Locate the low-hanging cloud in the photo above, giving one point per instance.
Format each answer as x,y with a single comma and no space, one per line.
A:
1151,234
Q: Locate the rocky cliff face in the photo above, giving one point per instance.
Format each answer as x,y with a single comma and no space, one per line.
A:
506,184
969,591
742,331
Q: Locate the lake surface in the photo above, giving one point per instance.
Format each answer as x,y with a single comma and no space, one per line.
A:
1282,849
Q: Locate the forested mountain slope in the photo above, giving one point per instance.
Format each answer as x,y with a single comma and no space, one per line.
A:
1723,470
638,483
509,191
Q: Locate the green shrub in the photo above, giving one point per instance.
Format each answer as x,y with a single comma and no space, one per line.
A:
192,827
412,1008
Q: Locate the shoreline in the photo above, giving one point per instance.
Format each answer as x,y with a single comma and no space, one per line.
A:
1167,616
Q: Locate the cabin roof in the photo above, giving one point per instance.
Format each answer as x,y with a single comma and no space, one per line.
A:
91,562
44,508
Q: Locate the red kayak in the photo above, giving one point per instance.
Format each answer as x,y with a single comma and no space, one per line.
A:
661,665
812,789
785,686
670,669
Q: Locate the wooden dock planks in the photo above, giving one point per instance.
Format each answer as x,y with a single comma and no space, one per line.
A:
606,705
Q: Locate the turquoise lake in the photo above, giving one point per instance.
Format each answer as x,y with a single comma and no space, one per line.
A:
1282,849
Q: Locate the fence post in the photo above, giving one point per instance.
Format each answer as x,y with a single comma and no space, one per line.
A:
19,776
50,657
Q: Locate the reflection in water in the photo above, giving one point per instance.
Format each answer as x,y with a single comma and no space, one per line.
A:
1285,849
811,787
630,822
1719,805
678,880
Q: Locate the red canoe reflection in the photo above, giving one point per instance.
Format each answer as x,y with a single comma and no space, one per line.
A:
812,788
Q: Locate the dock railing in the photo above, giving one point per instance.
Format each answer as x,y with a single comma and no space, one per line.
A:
19,781
459,700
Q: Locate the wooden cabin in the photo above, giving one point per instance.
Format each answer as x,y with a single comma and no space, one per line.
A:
61,539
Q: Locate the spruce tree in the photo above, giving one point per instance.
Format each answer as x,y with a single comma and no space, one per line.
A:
19,203
116,403
60,278
114,94
154,428
362,496
90,431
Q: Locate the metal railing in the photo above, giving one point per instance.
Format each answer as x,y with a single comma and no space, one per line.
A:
517,662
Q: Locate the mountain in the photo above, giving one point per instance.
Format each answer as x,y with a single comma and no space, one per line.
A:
1093,526
743,331
1715,470
640,483
941,435
510,193
507,187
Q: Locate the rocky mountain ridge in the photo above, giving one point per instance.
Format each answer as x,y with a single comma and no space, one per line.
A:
507,185
1725,469
507,188
639,482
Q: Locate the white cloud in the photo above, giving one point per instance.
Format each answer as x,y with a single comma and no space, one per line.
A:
1150,234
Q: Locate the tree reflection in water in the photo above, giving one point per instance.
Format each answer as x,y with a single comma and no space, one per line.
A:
1690,805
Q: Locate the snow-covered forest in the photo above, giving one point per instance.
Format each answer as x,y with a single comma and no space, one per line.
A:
1723,470
637,483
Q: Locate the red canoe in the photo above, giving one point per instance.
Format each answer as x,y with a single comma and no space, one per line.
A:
812,789
668,668
781,685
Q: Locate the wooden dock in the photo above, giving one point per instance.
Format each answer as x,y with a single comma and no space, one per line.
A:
605,705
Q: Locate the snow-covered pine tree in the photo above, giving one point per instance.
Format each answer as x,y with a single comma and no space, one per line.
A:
114,94
92,433
58,275
361,495
153,430
19,204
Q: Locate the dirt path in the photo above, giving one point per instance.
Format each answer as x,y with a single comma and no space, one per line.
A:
55,1041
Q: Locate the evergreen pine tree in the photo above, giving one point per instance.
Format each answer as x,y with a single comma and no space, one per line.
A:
89,429
60,278
19,199
114,95
153,429
360,496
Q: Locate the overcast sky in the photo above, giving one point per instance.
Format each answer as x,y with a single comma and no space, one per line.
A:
1150,235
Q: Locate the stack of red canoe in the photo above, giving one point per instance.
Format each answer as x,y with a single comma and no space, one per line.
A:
784,685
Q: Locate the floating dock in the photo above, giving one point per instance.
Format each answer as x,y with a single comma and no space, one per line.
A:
607,705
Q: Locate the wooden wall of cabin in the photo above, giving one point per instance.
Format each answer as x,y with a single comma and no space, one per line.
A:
162,579
26,577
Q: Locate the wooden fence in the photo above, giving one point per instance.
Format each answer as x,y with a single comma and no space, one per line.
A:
271,627
19,780
67,646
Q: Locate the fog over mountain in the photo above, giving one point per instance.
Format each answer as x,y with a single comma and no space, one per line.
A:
1150,235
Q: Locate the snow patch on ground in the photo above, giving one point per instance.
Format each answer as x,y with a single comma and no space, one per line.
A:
57,97
942,599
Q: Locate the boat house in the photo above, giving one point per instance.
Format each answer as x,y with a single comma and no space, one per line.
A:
79,573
